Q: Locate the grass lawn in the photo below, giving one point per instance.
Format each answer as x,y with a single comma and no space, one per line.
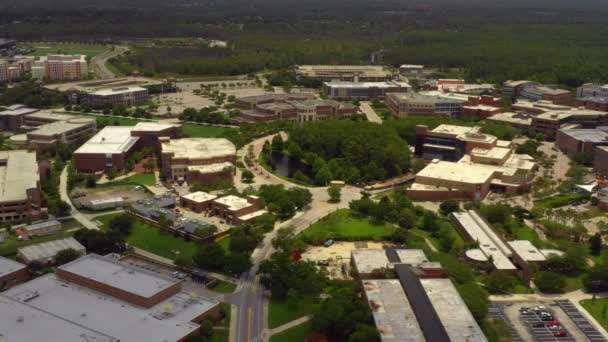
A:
559,200
295,334
224,287
113,121
280,312
199,131
574,283
225,243
225,322
598,308
153,240
341,225
222,335
45,48
142,178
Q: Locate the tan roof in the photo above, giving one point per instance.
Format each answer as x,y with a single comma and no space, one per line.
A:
199,148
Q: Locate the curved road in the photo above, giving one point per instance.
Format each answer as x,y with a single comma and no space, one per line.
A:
98,62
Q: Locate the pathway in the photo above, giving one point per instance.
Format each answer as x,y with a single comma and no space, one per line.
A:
63,194
369,112
289,325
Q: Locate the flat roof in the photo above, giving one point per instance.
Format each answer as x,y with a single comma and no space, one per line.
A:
115,91
593,135
411,256
110,140
199,148
19,174
253,215
452,310
49,249
393,314
527,250
199,196
40,225
18,111
233,202
61,127
368,260
8,266
489,242
169,320
48,116
107,83
510,117
493,153
148,126
427,97
385,84
119,275
457,172
565,114
22,322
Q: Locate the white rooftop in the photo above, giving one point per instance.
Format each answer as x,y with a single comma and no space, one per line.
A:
411,256
49,249
489,242
199,148
110,140
9,266
119,275
210,168
199,196
527,250
456,318
253,215
153,126
457,172
116,91
18,110
22,322
233,202
166,322
386,84
61,127
368,260
18,174
393,314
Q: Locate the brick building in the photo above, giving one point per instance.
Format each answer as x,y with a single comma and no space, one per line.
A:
20,192
12,273
363,90
405,104
600,161
448,142
300,107
581,140
593,102
235,210
60,68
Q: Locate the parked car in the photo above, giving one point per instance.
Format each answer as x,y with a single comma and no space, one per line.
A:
552,324
546,318
540,308
560,333
328,242
538,325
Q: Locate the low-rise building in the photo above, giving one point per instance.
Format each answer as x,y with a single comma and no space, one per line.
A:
592,90
348,73
363,90
600,161
12,273
551,121
411,70
43,228
449,142
198,201
581,140
110,97
405,104
593,102
12,119
20,192
238,210
299,107
45,252
103,300
197,159
521,121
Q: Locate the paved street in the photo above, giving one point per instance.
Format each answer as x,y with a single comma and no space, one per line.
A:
369,112
98,62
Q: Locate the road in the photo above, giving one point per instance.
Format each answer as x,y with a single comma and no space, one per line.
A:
63,194
98,63
369,112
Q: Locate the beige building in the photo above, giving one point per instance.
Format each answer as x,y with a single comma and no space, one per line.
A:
60,68
20,193
348,73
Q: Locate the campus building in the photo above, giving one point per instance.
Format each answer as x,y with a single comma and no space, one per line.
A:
45,252
235,210
100,299
405,104
550,122
593,102
600,161
592,90
363,90
194,160
534,91
521,121
577,140
419,303
20,192
347,73
411,70
467,164
110,97
60,68
12,273
481,107
297,107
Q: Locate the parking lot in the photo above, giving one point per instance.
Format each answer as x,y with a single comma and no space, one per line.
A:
581,322
537,324
496,312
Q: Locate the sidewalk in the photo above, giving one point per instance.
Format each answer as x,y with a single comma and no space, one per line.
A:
289,325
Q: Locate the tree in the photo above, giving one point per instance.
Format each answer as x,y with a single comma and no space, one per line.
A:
59,208
184,261
121,224
210,256
365,333
237,263
91,182
149,165
294,151
449,206
595,244
334,193
277,143
99,242
283,276
500,282
597,279
300,197
66,255
323,176
476,299
550,282
247,176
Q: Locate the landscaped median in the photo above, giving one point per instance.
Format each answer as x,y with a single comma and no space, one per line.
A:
598,308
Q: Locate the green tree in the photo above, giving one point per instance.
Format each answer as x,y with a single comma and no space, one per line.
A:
334,193
277,143
122,224
237,263
247,176
550,282
323,176
449,206
595,244
476,299
66,255
500,282
184,261
149,165
210,256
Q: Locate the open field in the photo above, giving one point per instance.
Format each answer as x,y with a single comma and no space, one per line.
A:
281,312
45,48
154,240
342,225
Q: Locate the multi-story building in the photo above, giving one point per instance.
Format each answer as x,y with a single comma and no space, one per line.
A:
363,90
60,68
535,92
295,107
4,71
521,121
448,142
112,147
197,159
12,273
96,298
481,107
577,140
593,102
109,97
238,210
600,161
6,46
512,89
13,118
20,192
405,104
592,90
550,122
348,73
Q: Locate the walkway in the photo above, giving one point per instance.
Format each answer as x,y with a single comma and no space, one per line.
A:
289,325
63,194
369,112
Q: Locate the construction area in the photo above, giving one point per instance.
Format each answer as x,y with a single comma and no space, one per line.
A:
109,197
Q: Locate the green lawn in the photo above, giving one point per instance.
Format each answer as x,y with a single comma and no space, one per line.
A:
45,48
598,308
225,322
280,312
574,283
560,200
199,131
222,335
342,225
153,240
224,287
225,243
142,178
295,334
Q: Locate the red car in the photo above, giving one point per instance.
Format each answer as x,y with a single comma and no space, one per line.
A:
552,323
560,333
